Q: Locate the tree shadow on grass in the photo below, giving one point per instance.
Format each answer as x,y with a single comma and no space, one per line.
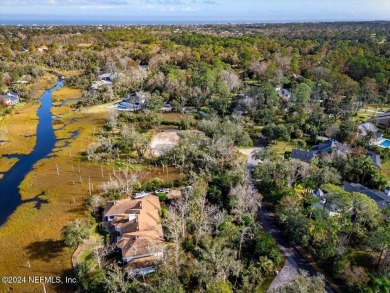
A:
45,250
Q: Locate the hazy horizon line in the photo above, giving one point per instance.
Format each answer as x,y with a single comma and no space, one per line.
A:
11,22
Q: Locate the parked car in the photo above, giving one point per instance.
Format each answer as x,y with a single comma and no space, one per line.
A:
140,194
162,190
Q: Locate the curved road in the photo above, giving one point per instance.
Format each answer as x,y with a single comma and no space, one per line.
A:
294,259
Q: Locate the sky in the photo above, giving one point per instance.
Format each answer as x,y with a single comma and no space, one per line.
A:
189,11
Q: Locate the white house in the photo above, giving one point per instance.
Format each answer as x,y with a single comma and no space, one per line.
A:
368,128
107,76
284,94
100,83
10,98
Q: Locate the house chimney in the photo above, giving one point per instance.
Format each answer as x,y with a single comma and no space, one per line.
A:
387,190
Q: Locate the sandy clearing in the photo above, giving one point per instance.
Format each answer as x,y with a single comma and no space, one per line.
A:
163,141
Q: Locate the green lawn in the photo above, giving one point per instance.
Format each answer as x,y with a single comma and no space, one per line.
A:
366,112
286,146
386,169
85,255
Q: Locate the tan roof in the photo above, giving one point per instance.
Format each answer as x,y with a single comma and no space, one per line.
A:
127,206
140,231
143,262
147,242
143,221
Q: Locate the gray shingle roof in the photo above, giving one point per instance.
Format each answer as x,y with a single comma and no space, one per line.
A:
305,156
375,158
379,197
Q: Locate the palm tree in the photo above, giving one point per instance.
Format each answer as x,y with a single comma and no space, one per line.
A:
366,166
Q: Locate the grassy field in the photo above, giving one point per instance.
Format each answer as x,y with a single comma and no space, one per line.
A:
285,146
369,111
386,170
173,116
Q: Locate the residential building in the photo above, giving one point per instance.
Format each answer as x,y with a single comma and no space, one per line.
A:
332,206
166,108
284,94
135,227
303,155
97,84
375,158
382,199
107,76
133,102
330,148
382,120
10,98
369,129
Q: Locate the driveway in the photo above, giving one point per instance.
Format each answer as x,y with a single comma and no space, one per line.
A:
250,163
294,259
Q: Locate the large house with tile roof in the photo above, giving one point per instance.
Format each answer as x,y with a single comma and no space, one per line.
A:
134,225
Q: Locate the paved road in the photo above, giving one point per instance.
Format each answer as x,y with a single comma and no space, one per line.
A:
294,259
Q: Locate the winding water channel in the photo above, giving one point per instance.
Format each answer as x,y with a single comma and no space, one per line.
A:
9,193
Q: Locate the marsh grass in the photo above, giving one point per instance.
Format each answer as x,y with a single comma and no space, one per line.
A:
21,124
65,93
66,73
6,164
31,229
34,235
